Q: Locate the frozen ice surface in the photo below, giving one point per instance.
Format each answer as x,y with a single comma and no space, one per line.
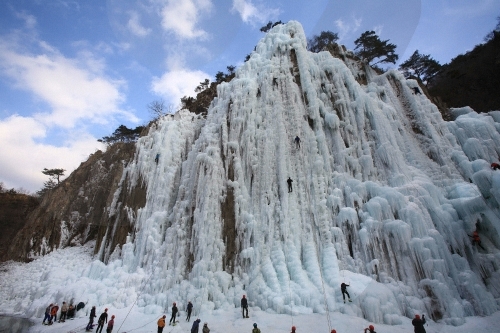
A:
385,197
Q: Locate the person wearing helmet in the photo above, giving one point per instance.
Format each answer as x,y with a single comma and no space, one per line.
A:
370,329
333,331
244,306
111,323
161,324
174,314
255,329
418,324
205,328
294,329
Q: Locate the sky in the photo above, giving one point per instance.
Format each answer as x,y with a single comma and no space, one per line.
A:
71,72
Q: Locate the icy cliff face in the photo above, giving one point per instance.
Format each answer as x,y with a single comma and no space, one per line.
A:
385,195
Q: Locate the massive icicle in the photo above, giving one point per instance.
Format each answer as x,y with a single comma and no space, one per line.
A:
384,195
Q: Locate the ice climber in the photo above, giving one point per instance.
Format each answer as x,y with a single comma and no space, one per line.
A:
297,142
294,329
47,314
370,329
189,309
161,324
157,158
495,166
255,329
205,328
244,306
196,325
111,323
174,314
418,324
343,288
289,181
91,319
103,318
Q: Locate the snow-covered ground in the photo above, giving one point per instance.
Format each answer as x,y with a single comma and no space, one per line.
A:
38,283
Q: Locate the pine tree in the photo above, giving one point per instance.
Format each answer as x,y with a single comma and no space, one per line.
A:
423,66
371,47
320,43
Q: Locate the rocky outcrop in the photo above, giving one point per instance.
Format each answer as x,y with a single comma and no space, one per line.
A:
76,212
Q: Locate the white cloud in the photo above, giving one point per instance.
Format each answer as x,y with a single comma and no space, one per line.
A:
181,17
22,158
347,29
177,83
134,25
73,89
253,13
29,20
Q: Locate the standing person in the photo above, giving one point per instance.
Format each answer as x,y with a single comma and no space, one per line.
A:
174,314
196,324
189,309
47,314
343,288
244,306
370,329
418,324
91,319
255,329
102,319
53,314
205,328
64,311
289,181
71,311
111,323
297,142
157,158
161,324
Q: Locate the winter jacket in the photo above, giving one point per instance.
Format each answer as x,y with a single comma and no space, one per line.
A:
174,310
103,318
196,324
111,323
205,329
256,330
189,307
161,322
244,302
419,325
64,308
54,309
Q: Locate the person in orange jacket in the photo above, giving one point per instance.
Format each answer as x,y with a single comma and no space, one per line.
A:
161,324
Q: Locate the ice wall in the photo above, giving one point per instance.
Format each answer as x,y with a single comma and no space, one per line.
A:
385,194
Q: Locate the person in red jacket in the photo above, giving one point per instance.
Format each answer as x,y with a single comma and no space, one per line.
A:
495,166
53,314
111,323
370,329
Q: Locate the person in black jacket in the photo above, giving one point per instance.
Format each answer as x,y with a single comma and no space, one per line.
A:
244,306
102,319
289,181
343,289
174,314
196,325
418,323
189,309
91,319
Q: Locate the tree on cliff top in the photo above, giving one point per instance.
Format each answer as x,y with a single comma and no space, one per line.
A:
54,173
370,47
423,66
320,43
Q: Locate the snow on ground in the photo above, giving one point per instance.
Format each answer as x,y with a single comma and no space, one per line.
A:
26,289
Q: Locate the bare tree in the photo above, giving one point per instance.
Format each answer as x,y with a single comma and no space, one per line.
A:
158,108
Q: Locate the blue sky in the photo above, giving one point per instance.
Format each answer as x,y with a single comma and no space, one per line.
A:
72,71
